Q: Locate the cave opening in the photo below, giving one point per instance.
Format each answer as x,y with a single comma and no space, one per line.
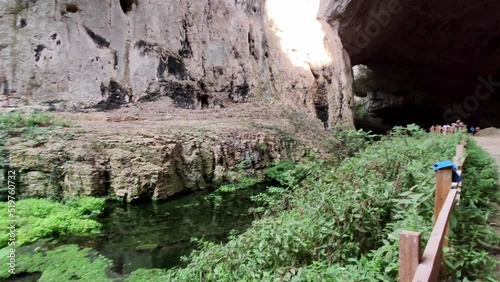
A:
426,62
72,8
204,101
381,120
127,5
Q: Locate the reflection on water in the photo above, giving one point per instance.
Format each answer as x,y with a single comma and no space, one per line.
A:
156,235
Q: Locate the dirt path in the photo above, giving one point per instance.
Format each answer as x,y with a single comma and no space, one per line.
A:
491,143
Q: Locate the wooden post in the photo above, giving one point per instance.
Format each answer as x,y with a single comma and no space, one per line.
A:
410,253
443,187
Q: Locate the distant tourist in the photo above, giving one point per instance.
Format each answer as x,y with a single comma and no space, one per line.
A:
472,129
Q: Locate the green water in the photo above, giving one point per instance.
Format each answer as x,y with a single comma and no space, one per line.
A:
156,235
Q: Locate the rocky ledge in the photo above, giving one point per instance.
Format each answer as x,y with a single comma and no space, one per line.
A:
138,159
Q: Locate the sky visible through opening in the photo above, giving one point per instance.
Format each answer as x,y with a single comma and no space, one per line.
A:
302,37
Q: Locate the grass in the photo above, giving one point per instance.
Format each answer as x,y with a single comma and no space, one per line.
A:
83,265
239,178
31,126
41,218
17,119
242,182
469,224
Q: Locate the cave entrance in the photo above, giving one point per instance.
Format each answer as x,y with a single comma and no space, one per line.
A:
436,57
204,100
381,120
387,96
128,4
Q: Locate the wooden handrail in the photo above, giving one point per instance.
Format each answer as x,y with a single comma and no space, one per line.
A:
430,263
425,268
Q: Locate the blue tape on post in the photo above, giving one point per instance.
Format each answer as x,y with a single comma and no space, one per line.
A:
447,164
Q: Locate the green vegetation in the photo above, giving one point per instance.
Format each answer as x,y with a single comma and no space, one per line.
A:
286,173
242,182
332,223
30,126
17,119
471,241
342,223
82,265
41,218
347,142
239,179
359,111
273,200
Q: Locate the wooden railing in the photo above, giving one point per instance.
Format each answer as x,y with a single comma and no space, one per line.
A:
413,265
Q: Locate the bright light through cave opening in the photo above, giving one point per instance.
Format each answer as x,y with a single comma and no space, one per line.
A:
302,37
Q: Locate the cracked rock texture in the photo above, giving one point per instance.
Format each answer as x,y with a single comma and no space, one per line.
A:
138,165
80,54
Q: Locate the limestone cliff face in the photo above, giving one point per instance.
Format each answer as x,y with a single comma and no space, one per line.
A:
79,54
139,165
158,71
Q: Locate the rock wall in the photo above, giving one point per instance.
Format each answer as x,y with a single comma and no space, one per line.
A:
79,54
69,163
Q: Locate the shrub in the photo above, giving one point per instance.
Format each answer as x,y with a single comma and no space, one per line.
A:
343,223
286,173
17,119
347,142
471,236
242,182
84,265
41,218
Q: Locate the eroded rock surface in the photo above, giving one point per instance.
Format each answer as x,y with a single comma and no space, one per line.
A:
74,55
140,161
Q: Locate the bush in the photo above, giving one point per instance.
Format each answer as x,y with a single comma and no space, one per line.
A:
360,111
342,225
41,218
242,182
472,237
83,265
17,119
347,142
286,173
